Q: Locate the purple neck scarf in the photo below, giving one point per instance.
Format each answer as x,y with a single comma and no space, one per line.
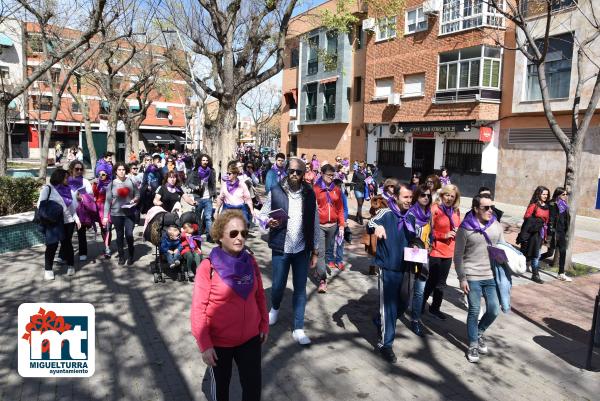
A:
445,180
421,217
402,221
76,183
280,172
173,188
471,223
152,168
326,188
562,206
236,272
192,240
102,184
204,174
448,211
232,186
65,193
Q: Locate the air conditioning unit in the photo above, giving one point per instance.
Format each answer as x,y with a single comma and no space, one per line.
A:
293,113
394,99
293,127
368,24
431,6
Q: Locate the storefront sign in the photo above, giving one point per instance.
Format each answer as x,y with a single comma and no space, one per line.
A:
433,128
423,135
485,134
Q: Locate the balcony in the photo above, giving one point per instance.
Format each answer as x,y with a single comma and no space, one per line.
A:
311,113
329,111
313,66
466,96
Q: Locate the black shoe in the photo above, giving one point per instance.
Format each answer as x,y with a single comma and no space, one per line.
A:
130,261
121,260
535,277
417,328
388,354
438,314
180,277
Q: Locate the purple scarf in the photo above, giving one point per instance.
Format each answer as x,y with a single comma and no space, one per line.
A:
76,184
562,206
448,211
192,240
65,193
471,223
280,172
173,188
326,188
102,184
204,174
232,186
421,217
236,272
152,168
445,180
402,221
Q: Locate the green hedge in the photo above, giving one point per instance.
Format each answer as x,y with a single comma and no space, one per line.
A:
18,195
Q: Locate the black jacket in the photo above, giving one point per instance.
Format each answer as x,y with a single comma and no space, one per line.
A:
193,182
559,222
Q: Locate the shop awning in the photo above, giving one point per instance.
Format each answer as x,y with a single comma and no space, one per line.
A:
5,41
160,137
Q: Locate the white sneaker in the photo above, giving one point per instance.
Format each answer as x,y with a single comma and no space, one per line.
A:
300,337
48,275
82,258
70,271
273,314
564,277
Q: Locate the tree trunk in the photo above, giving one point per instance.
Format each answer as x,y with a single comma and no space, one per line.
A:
573,167
226,142
135,137
3,136
111,135
89,137
46,139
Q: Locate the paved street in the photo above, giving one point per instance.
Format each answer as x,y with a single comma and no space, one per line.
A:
145,351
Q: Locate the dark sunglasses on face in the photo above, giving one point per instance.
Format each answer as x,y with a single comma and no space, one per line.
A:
235,233
102,175
78,169
293,171
426,196
486,208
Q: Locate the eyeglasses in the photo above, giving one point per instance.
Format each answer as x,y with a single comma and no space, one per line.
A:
102,175
78,169
486,208
425,196
293,171
234,233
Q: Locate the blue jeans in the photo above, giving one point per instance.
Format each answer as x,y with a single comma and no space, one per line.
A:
339,249
417,300
535,262
206,206
172,257
281,263
487,288
391,306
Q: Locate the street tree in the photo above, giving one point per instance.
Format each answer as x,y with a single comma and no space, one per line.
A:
262,103
535,22
90,16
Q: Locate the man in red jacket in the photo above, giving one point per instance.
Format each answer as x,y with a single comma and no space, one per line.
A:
331,218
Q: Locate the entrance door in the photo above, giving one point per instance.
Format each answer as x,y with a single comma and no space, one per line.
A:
294,145
423,156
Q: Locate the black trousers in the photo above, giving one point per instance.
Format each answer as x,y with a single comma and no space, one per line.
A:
82,240
436,282
124,227
559,241
66,249
247,357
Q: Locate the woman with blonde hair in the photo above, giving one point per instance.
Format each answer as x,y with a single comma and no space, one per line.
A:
445,220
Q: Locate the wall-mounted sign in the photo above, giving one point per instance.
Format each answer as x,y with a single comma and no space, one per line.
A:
485,134
433,128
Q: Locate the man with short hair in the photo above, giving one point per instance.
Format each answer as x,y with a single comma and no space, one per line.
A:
277,173
105,164
294,241
394,229
202,181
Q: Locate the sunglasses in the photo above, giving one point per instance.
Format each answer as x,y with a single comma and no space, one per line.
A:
425,196
234,234
78,169
103,175
293,171
486,208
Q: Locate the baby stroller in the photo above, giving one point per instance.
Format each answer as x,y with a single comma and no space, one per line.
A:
157,222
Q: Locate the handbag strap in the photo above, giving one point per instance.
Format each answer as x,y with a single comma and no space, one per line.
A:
49,191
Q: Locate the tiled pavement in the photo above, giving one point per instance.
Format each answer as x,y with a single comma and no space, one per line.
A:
146,352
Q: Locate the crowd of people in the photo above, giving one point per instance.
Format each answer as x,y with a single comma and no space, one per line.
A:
415,234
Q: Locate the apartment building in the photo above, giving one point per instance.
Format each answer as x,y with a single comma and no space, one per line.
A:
322,86
529,154
433,89
165,124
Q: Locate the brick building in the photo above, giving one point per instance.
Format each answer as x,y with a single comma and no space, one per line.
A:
323,75
432,84
165,124
530,155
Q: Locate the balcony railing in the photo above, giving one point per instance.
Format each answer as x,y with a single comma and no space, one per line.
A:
329,111
311,113
313,66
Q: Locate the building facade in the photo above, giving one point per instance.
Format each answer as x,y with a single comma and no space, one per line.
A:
323,75
433,89
530,155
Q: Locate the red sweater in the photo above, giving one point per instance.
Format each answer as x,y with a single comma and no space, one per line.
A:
543,214
442,247
221,318
330,213
185,243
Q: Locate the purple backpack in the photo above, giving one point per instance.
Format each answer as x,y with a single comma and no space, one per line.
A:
87,210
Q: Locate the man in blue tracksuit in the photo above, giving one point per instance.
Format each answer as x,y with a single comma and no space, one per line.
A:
394,229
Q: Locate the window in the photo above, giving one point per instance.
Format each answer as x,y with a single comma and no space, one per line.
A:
383,87
558,68
332,44
329,104
414,85
357,89
458,15
390,151
162,112
313,55
104,107
415,21
463,155
75,106
35,43
44,105
461,69
4,73
294,58
385,28
311,102
55,76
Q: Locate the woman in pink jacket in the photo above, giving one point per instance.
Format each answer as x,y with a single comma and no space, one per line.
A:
229,314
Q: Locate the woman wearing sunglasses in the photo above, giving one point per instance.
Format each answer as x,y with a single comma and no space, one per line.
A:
99,189
82,193
229,313
235,194
558,227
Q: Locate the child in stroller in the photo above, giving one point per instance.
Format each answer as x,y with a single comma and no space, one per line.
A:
192,252
170,246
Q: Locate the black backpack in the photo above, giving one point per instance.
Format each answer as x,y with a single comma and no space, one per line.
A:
49,212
